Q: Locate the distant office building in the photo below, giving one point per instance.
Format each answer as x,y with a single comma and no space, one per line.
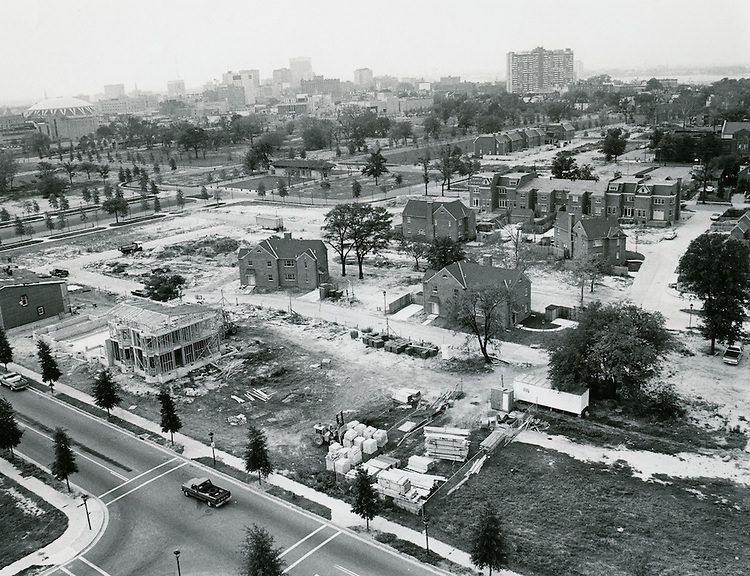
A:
363,77
282,76
249,80
112,91
301,69
578,69
320,85
539,70
176,88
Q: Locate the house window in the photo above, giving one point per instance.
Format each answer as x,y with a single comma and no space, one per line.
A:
612,210
408,219
659,201
629,198
290,276
24,300
598,243
270,277
420,231
288,263
40,310
475,202
305,263
628,211
613,188
434,290
269,263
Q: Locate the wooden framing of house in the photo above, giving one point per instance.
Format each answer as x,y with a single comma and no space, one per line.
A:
161,343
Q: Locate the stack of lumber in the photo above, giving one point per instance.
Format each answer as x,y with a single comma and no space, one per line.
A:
393,482
406,395
397,346
421,464
447,443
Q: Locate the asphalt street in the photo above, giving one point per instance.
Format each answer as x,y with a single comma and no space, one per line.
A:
149,518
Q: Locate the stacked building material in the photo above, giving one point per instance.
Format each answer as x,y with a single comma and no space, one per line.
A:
342,465
381,437
393,482
447,443
354,455
370,446
366,439
421,464
335,455
397,346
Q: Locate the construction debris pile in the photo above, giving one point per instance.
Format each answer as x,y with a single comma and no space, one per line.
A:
447,443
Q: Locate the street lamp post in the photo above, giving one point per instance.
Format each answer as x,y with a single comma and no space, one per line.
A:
177,558
213,446
85,497
426,522
690,322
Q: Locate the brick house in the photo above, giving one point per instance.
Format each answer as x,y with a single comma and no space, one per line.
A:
440,286
500,193
561,131
425,220
639,199
599,236
735,138
284,263
551,194
26,298
481,186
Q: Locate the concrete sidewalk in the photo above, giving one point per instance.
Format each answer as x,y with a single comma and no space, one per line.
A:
76,538
341,514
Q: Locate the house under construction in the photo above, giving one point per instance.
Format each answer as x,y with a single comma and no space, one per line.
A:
161,343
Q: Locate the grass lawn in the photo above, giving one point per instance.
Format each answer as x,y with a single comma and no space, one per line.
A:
28,522
562,516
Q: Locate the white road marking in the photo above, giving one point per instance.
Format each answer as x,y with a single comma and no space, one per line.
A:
311,552
137,477
94,566
68,572
81,454
293,546
345,570
144,484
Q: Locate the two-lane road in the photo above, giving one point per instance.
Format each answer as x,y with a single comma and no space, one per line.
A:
149,518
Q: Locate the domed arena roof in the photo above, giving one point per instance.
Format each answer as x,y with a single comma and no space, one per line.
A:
61,107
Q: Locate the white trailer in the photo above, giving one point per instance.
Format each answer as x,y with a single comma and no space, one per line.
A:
270,222
538,391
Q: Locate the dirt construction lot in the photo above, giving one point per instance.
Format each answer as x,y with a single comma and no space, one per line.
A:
563,506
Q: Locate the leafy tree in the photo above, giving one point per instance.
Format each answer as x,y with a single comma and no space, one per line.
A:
281,188
398,179
173,164
356,189
88,168
51,185
50,371
614,143
366,502
432,126
19,227
38,143
337,230
424,162
261,189
164,287
444,251
204,193
614,351
117,206
416,250
370,231
564,165
170,421
86,193
375,166
180,198
8,171
193,138
65,461
251,161
48,222
157,204
4,215
260,558
106,391
10,432
103,171
483,311
256,453
717,270
487,543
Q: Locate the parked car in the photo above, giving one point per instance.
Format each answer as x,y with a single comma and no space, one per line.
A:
733,354
715,216
14,381
60,273
140,293
670,235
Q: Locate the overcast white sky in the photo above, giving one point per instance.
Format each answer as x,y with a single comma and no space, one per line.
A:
69,47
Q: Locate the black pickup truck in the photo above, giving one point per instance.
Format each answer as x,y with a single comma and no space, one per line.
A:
204,489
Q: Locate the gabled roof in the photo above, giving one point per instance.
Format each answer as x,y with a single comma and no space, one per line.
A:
600,228
469,274
153,316
741,230
422,207
292,248
730,128
23,277
562,184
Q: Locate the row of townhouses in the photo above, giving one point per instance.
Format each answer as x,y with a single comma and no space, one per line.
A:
508,141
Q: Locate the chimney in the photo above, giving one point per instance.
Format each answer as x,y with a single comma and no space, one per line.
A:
487,260
287,235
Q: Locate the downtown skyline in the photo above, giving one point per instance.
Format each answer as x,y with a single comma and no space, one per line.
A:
74,47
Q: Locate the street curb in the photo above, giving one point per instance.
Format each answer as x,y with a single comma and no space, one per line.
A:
76,539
